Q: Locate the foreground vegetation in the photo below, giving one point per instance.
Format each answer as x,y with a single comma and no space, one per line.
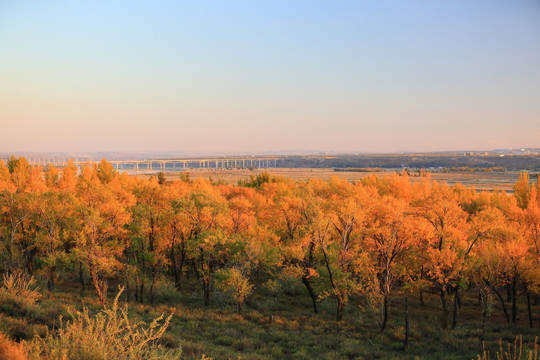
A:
269,268
273,327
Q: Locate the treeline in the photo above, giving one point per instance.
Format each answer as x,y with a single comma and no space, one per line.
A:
367,241
508,162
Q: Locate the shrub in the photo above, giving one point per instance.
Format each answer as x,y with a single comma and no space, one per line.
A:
108,335
19,288
16,328
166,292
10,350
287,284
515,351
235,283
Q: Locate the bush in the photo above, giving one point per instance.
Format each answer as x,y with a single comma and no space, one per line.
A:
234,282
287,284
166,292
16,328
108,335
515,351
10,350
19,288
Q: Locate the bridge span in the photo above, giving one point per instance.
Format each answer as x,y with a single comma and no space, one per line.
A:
173,164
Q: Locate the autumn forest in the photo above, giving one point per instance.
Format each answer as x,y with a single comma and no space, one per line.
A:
361,244
467,259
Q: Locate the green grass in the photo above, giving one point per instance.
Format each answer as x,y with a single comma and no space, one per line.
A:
282,326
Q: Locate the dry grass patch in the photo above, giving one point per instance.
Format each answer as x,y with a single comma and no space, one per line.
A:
109,334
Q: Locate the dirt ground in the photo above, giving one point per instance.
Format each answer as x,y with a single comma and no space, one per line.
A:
480,180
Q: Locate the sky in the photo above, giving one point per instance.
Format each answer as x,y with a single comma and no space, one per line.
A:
269,76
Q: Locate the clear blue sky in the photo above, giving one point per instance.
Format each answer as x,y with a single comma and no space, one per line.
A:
241,76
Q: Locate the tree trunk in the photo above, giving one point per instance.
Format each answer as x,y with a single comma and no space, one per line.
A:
484,310
104,288
205,277
505,311
406,341
514,302
155,274
194,269
206,292
307,283
422,302
182,262
153,284
143,272
137,289
97,283
385,312
128,289
529,310
11,241
126,276
305,278
175,269
444,304
339,312
50,279
141,291
456,305
81,276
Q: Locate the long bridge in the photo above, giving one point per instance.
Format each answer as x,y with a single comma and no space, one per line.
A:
173,164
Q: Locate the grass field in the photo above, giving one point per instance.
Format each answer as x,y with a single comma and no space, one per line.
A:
282,326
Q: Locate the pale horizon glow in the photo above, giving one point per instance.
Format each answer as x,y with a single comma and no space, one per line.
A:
254,76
